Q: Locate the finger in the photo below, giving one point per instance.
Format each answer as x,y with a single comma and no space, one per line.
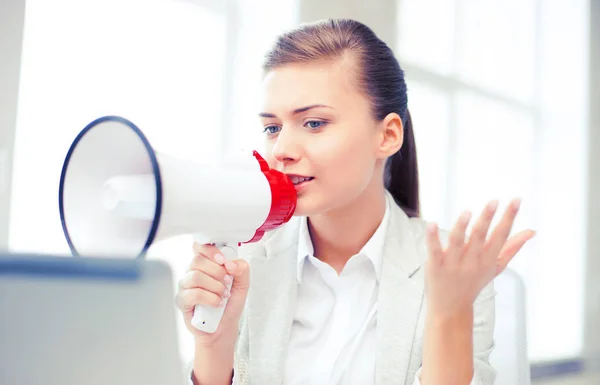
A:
216,275
502,230
456,239
239,269
480,230
436,253
188,299
194,279
511,248
239,288
212,252
210,267
236,267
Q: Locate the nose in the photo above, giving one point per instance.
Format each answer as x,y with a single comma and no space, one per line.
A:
286,148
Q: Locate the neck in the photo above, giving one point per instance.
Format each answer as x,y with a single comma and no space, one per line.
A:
339,234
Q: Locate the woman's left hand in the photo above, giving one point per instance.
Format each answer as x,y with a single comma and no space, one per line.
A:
456,275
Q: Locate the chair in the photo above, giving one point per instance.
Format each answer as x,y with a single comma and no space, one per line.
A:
509,356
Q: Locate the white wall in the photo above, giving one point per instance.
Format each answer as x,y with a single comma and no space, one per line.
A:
592,310
12,13
560,93
172,75
381,16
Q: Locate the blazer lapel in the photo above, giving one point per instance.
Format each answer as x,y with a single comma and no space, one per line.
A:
399,302
271,304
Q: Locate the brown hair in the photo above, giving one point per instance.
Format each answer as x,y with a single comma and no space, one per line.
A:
380,78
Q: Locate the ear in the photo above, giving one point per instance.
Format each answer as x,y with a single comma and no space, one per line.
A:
392,135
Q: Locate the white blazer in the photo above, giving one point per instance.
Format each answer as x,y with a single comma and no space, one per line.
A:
267,320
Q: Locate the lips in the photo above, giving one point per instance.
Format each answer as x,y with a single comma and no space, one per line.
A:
298,179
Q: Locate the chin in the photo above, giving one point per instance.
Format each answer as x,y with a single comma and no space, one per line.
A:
306,206
311,205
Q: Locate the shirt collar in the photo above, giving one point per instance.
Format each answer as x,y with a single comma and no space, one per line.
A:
373,249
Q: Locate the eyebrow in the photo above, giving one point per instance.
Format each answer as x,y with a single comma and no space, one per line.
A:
296,111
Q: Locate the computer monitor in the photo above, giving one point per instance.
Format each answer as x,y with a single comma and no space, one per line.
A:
87,321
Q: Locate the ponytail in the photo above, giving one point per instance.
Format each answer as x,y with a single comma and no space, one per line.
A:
402,173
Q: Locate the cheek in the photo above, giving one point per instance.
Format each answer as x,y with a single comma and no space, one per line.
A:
344,158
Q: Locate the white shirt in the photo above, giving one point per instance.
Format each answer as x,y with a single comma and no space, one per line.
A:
333,334
332,340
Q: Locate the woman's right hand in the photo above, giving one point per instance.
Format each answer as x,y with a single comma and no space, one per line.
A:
205,283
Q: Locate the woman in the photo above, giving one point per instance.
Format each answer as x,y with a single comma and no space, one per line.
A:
356,289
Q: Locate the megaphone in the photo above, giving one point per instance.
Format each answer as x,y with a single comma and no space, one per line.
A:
117,196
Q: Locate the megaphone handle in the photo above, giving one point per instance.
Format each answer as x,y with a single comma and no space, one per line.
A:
207,318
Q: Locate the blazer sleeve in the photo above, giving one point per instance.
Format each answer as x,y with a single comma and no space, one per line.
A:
483,338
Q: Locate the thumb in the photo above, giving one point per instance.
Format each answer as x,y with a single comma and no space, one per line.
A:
239,269
511,248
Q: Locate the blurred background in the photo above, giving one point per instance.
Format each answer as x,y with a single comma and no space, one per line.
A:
503,93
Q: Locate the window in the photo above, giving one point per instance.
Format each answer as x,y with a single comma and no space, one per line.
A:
497,94
181,70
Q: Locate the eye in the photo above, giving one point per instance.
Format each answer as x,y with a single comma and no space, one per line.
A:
314,124
271,130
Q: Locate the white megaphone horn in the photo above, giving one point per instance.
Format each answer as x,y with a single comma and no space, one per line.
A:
117,196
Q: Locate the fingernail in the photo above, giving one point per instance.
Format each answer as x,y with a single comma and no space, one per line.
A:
230,266
431,228
493,206
219,258
228,280
226,294
517,204
223,302
465,217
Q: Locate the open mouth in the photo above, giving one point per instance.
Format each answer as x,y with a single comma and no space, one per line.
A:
298,180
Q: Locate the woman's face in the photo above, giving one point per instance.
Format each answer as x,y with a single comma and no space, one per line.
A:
319,130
